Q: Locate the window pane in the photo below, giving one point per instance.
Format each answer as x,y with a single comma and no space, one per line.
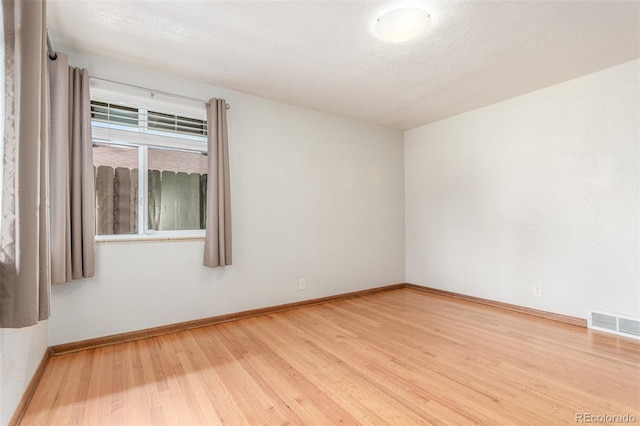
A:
116,173
177,189
176,124
114,114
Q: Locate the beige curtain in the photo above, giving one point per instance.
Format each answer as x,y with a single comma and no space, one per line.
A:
217,245
24,233
71,173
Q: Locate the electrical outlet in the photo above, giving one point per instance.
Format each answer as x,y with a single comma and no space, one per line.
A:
302,284
537,291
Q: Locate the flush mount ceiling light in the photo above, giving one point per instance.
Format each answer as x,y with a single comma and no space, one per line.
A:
400,25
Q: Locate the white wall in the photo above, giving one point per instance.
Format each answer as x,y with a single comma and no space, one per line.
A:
314,196
21,351
542,189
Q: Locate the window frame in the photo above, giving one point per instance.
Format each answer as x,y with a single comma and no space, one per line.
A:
102,134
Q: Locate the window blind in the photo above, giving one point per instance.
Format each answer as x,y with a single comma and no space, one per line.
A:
144,119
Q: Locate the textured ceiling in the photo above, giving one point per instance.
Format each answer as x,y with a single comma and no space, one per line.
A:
323,54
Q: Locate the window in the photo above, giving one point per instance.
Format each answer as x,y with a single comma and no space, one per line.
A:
150,168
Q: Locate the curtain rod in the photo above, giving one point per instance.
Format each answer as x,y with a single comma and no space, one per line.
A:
173,95
53,56
52,52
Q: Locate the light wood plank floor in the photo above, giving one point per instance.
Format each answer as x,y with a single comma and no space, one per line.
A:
399,357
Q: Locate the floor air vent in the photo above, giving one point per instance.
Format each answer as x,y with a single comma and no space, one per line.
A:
622,325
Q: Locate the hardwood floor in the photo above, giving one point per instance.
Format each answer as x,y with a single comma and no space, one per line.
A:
399,357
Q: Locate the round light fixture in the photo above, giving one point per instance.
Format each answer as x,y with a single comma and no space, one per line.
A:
400,25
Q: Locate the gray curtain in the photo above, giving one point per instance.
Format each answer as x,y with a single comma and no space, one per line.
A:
217,244
71,173
24,233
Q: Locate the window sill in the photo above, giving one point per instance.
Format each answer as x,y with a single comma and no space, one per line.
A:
158,237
